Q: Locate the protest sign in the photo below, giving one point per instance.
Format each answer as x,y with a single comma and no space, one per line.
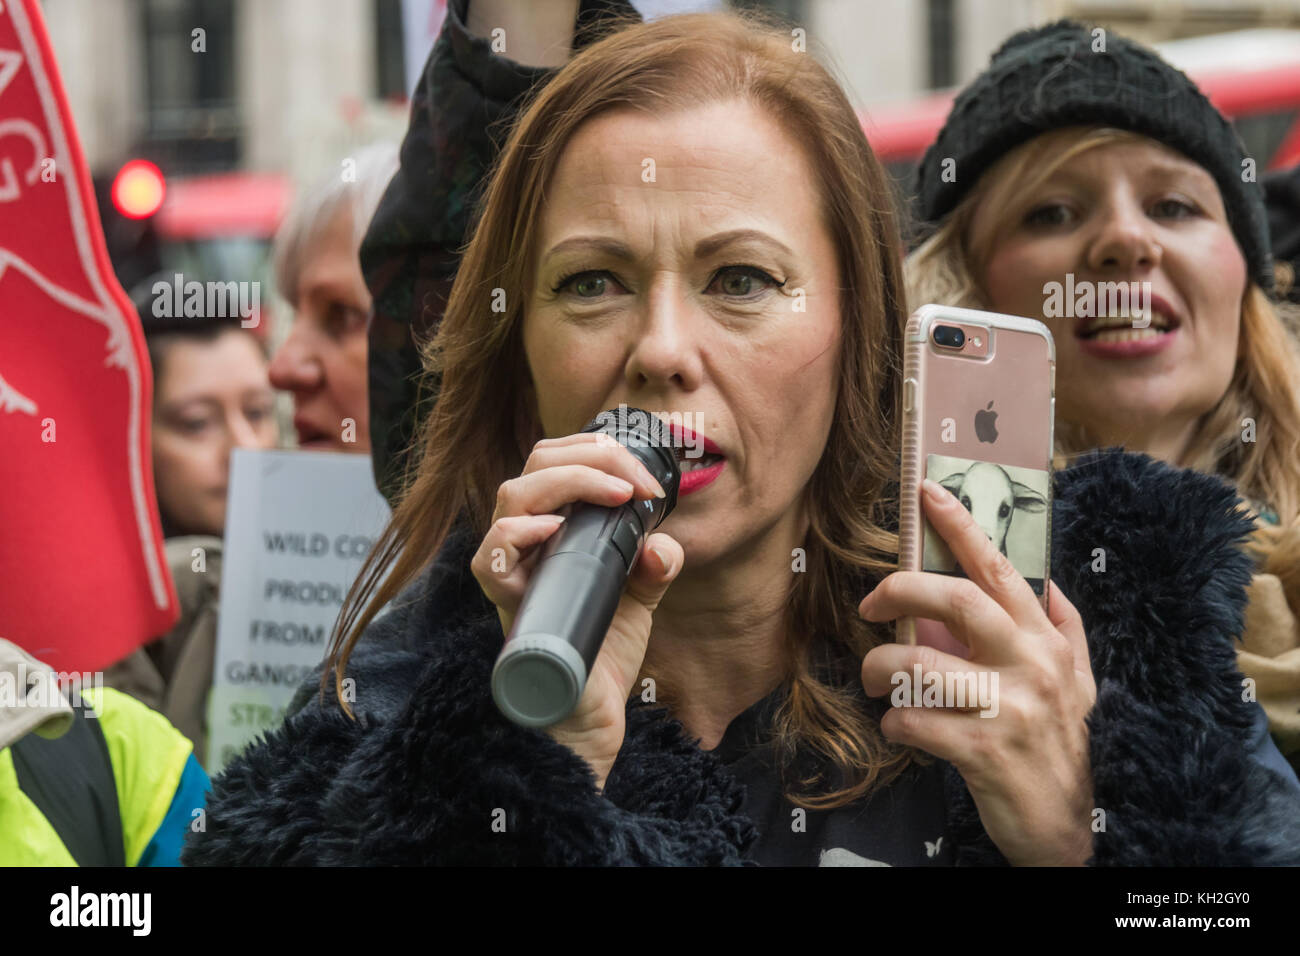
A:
298,526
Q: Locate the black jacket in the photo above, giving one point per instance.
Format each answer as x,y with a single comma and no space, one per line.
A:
1178,756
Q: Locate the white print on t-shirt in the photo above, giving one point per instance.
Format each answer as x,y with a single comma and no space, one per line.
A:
838,856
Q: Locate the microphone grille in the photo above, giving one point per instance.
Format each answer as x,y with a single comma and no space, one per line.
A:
624,423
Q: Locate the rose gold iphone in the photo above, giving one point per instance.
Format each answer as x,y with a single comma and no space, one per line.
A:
978,412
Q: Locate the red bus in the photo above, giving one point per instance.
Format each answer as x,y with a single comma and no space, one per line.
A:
1252,76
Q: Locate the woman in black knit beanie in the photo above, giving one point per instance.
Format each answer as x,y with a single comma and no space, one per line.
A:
1080,172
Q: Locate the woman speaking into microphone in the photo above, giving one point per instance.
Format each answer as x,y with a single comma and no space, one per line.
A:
688,219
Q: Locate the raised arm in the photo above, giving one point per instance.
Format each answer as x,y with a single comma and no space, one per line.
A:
465,101
539,33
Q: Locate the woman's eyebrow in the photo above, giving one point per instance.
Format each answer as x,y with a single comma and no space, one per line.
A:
1157,170
610,247
1163,170
703,249
707,247
1064,176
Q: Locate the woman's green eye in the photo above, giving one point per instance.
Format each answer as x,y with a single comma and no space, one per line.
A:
737,283
586,285
589,286
742,281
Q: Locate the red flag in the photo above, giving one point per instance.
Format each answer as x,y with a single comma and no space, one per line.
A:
83,581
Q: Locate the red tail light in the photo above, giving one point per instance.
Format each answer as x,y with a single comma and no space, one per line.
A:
138,189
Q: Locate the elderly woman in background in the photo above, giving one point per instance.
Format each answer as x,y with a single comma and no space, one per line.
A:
1068,169
322,362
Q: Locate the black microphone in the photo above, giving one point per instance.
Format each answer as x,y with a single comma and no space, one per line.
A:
571,598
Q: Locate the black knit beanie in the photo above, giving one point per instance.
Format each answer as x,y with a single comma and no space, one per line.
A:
1048,77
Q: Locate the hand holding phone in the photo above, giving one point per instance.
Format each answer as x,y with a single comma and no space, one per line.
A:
978,412
1029,768
978,415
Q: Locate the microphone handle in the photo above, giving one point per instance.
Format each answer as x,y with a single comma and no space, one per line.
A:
565,613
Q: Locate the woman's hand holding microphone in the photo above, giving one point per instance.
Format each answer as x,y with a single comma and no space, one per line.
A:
591,467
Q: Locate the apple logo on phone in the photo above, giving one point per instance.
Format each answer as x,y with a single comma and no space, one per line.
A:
986,428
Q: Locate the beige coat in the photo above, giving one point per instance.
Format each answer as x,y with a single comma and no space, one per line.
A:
1270,652
173,675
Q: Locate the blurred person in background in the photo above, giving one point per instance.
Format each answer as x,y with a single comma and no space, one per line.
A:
1119,170
88,776
323,360
211,395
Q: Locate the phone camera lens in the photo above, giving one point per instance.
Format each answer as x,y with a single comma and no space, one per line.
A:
949,336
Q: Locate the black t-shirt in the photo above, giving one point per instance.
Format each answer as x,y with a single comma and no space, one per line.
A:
900,825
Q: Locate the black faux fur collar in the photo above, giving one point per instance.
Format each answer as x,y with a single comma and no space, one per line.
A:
431,773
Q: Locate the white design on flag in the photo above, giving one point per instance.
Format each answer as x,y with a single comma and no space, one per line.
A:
9,188
12,400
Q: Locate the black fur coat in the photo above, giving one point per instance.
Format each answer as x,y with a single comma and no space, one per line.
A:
430,773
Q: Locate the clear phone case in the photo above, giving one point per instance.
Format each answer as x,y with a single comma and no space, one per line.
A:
978,419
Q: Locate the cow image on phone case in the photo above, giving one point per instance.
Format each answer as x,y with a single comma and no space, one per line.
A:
978,415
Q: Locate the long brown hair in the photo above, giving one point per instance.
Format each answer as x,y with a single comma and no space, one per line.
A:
483,423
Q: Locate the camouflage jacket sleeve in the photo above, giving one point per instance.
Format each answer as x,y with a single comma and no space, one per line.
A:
461,111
